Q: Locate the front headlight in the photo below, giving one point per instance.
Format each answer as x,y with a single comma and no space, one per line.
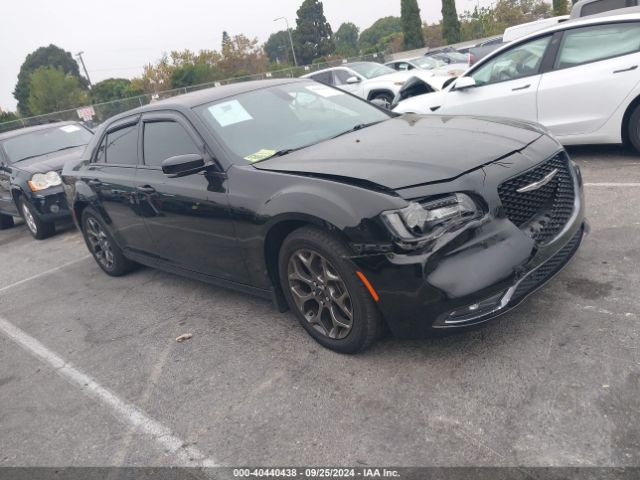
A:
41,181
419,223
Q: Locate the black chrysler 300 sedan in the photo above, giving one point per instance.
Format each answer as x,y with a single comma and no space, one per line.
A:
31,160
351,216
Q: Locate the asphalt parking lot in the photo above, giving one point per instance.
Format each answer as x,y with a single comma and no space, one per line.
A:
91,374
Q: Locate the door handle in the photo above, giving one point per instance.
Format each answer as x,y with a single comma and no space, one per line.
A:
524,87
626,69
145,189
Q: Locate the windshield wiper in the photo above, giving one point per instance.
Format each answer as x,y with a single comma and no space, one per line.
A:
47,153
357,127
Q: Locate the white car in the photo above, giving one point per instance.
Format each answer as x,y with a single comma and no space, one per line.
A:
434,66
371,81
580,79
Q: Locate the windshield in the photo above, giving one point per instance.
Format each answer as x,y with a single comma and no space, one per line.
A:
371,69
45,141
428,63
260,124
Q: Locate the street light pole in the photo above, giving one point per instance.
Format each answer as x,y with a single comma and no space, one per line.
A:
79,55
293,50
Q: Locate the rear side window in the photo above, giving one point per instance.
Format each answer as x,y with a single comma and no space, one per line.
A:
163,140
323,77
590,44
122,146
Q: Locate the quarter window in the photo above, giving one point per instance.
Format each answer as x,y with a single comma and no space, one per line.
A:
164,140
122,146
590,44
521,61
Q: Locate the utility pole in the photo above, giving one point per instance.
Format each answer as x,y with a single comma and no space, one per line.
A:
293,50
86,74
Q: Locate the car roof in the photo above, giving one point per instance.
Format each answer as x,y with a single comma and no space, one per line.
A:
347,65
22,131
199,97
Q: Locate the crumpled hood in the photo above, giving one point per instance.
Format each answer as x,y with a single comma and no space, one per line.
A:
50,161
410,150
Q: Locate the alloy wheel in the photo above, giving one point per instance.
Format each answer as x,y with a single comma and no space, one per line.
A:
29,219
100,244
320,294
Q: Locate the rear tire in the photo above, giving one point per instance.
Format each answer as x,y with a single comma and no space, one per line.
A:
103,247
37,228
6,221
633,129
322,288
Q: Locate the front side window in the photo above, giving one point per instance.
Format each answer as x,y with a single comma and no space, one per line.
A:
256,125
370,69
341,76
590,44
43,142
122,146
164,140
518,62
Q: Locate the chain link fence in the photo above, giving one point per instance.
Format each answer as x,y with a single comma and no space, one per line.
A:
93,115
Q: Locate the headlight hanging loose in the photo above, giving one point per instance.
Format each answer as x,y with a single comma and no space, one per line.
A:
41,181
421,222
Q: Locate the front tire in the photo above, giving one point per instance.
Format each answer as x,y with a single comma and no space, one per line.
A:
104,249
322,288
633,129
37,228
385,97
6,221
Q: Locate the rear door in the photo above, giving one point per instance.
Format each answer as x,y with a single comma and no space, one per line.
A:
506,85
188,217
111,177
595,69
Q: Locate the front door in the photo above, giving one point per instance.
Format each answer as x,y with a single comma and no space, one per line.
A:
6,201
187,217
506,85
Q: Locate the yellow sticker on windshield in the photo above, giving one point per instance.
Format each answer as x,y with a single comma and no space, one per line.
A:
260,155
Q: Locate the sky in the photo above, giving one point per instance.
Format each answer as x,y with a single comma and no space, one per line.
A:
118,37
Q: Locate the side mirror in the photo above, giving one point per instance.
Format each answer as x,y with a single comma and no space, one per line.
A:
464,83
183,165
352,80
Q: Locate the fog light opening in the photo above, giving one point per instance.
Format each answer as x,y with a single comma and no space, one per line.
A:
474,310
54,208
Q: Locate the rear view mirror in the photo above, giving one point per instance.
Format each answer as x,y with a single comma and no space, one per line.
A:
464,82
182,165
352,80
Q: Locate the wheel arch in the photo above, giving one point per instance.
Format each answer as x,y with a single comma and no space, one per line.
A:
625,119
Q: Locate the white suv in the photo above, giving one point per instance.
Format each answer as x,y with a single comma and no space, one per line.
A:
371,81
580,79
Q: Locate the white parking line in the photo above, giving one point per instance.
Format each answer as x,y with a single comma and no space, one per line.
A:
42,274
612,184
190,456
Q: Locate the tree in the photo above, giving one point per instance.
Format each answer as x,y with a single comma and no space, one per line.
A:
194,74
377,36
7,116
242,56
278,48
346,38
450,22
51,90
226,39
313,36
560,7
50,56
112,89
411,24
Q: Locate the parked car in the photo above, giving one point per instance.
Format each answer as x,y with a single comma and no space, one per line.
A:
31,160
580,79
447,55
369,80
351,216
584,8
431,65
